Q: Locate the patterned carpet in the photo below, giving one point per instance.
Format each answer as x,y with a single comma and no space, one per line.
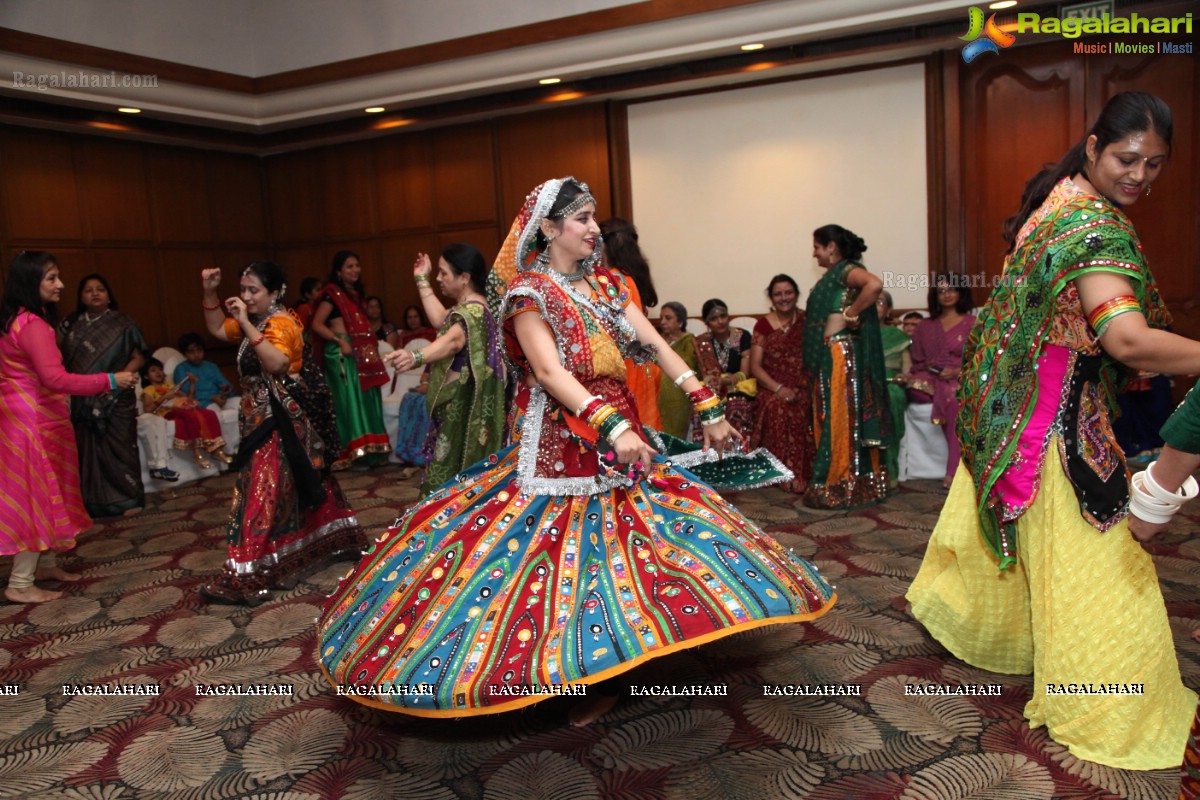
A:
136,619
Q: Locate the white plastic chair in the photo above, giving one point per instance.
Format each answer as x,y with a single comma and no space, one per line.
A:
170,358
745,323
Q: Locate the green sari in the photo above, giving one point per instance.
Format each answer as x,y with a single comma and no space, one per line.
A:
849,397
674,408
465,398
895,342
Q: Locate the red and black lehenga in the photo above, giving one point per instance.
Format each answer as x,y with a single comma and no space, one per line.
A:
288,512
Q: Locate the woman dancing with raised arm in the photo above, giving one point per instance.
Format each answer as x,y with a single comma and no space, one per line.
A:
288,513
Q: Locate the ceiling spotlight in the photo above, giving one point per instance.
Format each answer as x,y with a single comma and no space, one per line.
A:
550,81
753,46
129,110
1002,4
375,110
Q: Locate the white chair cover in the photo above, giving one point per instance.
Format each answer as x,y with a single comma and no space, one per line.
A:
923,450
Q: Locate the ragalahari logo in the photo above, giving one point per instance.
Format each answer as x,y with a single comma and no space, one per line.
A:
992,37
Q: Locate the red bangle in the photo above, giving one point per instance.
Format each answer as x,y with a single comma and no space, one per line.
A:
207,307
258,341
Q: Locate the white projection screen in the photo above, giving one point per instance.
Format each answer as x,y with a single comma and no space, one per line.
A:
728,186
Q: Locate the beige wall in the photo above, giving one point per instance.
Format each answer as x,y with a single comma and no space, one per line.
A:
728,186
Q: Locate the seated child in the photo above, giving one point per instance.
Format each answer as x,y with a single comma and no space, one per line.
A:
196,429
155,443
208,384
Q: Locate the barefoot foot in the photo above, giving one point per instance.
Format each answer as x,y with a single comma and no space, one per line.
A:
593,708
56,574
30,595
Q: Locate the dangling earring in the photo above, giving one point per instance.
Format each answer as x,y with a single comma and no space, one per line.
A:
1148,187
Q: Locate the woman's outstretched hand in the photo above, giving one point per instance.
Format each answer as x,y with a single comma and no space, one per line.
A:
631,449
720,435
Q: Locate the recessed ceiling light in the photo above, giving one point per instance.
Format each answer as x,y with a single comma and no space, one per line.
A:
129,110
550,81
375,110
1001,4
753,46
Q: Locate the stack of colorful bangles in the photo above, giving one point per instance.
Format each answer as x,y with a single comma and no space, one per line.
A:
1150,502
607,421
707,405
1103,314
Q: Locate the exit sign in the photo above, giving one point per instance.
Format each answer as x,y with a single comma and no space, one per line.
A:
1097,10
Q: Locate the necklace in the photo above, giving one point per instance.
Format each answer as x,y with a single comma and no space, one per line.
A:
582,270
783,326
471,298
90,318
724,350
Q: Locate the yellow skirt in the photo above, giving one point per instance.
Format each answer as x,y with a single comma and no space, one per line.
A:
1081,608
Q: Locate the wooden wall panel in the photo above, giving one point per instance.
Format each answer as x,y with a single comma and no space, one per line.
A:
398,289
464,175
404,181
179,200
41,196
486,239
114,192
135,280
237,199
297,197
300,262
179,273
569,141
1170,236
351,208
1018,113
153,216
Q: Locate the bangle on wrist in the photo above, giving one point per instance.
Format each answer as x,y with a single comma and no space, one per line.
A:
713,421
207,307
617,430
680,380
262,337
418,357
1150,502
583,407
112,381
779,387
846,315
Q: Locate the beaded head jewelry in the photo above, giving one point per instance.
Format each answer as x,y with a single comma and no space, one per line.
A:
520,250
